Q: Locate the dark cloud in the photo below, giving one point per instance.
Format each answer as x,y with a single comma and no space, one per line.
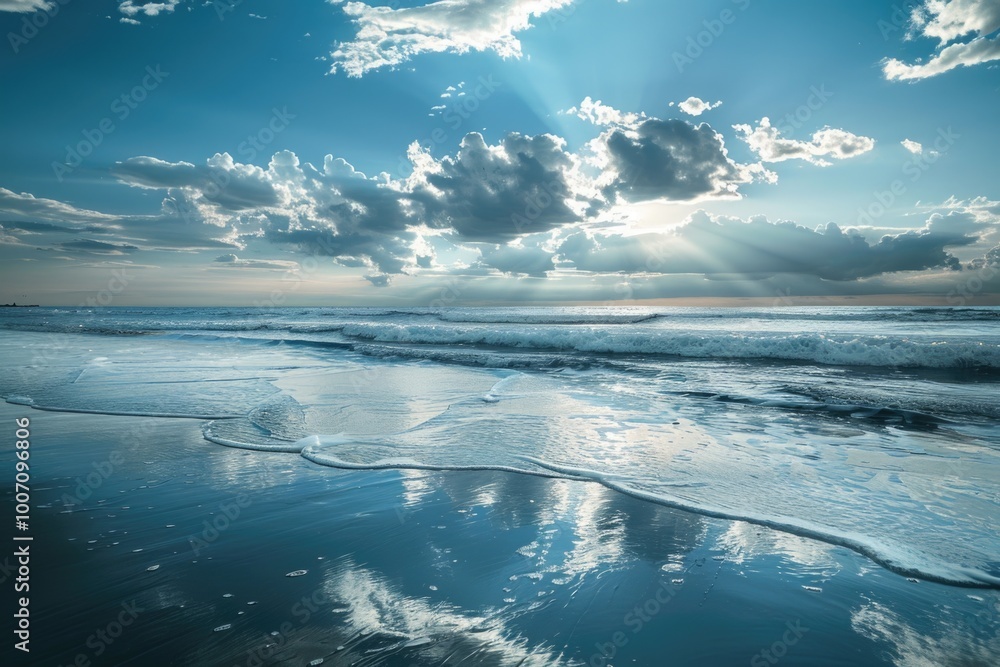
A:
221,181
42,227
389,254
93,247
757,248
668,159
497,193
508,200
379,279
485,193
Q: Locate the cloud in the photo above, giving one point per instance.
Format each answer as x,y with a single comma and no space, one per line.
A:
979,50
482,195
220,181
24,6
518,260
666,159
756,248
979,216
231,260
696,107
387,37
92,247
7,239
111,264
948,21
379,279
496,193
169,230
980,208
765,140
913,146
336,212
25,206
132,8
603,115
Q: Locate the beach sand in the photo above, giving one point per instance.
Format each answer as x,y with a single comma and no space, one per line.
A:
154,546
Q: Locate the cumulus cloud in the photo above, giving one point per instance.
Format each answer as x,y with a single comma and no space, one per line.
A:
979,216
666,159
482,195
695,106
914,147
949,21
132,8
603,115
520,204
642,158
758,248
981,209
497,193
766,141
387,37
220,181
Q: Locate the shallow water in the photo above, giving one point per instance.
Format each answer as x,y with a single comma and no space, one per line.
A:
403,567
869,428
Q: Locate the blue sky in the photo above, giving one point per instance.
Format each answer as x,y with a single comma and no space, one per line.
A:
514,151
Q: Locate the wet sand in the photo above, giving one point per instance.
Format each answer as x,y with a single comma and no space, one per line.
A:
154,546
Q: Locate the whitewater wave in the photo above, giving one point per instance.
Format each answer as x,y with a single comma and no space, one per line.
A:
860,350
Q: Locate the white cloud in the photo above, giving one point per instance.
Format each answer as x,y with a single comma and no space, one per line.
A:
948,21
130,8
603,115
696,106
25,206
978,51
914,147
767,143
24,5
388,37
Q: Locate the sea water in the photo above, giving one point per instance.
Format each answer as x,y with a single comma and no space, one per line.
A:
870,428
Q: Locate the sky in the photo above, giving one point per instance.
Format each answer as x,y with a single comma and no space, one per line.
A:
506,152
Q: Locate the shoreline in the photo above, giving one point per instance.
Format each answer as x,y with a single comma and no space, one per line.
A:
418,565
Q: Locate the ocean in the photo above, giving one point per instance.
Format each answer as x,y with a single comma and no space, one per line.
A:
869,431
